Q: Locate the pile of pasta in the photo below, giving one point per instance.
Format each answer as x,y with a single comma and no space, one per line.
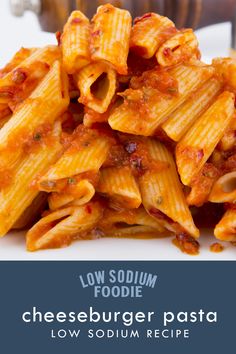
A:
119,130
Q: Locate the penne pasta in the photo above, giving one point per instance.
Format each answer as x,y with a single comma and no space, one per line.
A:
34,117
110,37
149,32
198,144
97,85
75,42
61,227
32,212
162,193
81,193
18,58
179,122
179,48
225,230
132,223
117,131
17,84
224,189
120,185
18,192
87,152
145,109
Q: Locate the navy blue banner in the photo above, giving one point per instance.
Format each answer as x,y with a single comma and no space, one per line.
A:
129,307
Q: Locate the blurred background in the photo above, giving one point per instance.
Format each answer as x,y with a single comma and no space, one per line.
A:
33,22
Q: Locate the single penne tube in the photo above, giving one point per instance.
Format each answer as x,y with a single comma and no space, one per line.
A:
87,152
201,139
182,119
97,85
143,111
224,189
120,185
35,116
32,212
19,192
18,58
81,193
110,37
61,227
162,193
129,223
225,230
75,42
149,32
20,82
179,48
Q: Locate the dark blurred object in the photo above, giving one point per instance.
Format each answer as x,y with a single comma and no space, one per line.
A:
233,36
185,13
208,215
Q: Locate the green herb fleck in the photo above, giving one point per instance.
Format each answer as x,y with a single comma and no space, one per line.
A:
71,180
208,174
172,89
37,136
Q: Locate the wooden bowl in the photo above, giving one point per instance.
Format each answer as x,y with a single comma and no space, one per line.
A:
185,13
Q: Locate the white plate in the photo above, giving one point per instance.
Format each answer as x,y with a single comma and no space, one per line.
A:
12,247
214,41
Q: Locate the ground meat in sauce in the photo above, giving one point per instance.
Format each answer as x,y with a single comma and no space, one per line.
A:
138,155
187,244
19,76
230,163
83,137
117,156
216,247
159,79
131,151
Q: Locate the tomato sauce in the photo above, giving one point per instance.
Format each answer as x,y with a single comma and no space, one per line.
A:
190,154
187,244
4,111
91,117
202,184
158,78
216,247
6,178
